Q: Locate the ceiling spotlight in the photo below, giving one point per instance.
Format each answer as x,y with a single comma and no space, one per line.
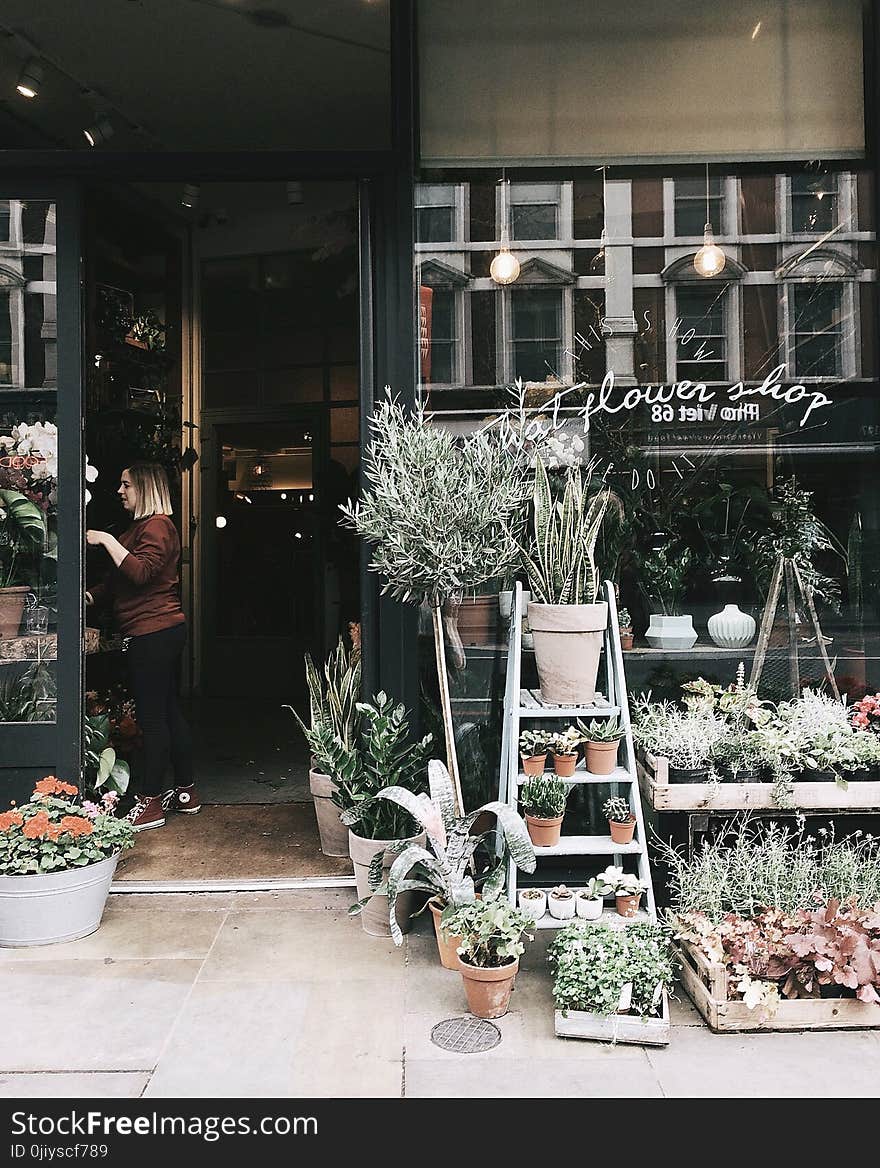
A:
190,196
99,132
295,193
220,521
30,80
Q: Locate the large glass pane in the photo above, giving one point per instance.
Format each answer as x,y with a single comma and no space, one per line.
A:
28,464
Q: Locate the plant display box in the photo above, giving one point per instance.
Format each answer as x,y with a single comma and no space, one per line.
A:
706,983
615,1027
729,796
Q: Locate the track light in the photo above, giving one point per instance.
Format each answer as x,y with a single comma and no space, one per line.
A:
99,132
190,196
31,79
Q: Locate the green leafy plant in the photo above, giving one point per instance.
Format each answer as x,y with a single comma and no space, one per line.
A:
605,970
601,730
544,797
533,743
624,620
333,703
30,696
796,533
567,741
381,756
444,868
53,832
617,810
490,931
596,887
663,574
23,533
560,556
103,770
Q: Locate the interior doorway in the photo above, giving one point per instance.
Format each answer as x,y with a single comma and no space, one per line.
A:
255,415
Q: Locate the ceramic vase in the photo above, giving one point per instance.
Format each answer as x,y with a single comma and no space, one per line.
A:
732,628
670,632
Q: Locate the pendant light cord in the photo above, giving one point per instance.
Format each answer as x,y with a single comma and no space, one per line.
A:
707,193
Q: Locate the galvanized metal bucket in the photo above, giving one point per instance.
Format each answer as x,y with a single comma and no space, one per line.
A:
54,906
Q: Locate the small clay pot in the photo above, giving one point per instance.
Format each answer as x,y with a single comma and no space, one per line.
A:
626,639
627,906
544,833
564,764
602,757
622,833
534,765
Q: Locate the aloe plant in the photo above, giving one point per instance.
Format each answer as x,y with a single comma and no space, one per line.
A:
560,559
444,867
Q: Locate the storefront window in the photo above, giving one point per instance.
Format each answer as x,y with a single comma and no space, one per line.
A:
813,202
691,204
817,330
701,337
537,333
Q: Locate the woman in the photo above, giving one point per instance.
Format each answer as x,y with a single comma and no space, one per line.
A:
144,587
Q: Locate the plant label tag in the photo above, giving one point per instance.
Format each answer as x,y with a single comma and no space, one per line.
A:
625,1000
658,993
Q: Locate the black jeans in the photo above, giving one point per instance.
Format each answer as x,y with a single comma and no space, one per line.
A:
153,669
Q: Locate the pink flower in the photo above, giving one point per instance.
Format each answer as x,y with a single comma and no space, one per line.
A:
91,809
109,800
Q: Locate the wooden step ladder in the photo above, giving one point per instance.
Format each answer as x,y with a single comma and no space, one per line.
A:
522,703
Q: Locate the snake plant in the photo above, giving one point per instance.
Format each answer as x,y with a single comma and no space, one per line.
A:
444,867
333,702
560,559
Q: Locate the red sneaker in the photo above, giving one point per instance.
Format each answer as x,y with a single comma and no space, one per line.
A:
147,812
183,799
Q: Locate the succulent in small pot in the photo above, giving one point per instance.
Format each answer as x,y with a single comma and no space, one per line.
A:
533,747
627,890
565,748
626,633
621,820
543,803
561,902
533,902
602,736
588,901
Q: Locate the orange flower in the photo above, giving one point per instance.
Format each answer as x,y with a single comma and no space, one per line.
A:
53,831
37,827
52,786
10,819
77,825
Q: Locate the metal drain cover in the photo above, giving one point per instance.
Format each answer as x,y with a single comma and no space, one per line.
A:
467,1035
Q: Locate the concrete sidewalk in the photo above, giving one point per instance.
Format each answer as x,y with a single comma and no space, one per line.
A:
283,995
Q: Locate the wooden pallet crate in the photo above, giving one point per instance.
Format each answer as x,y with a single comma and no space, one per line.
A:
728,796
706,983
614,1027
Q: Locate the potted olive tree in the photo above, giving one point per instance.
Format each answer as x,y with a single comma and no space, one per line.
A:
444,515
565,616
489,952
333,715
382,755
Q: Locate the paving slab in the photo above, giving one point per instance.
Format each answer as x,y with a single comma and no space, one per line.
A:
97,1085
481,1077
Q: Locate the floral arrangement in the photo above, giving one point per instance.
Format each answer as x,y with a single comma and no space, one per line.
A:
29,462
54,831
866,713
118,707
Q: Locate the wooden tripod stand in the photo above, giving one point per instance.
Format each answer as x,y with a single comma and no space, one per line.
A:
787,568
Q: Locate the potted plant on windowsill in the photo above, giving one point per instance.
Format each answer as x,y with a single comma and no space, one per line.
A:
382,756
602,737
626,630
664,571
444,866
533,747
333,715
542,801
565,616
621,820
57,859
489,952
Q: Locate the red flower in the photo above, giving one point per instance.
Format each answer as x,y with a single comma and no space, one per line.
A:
37,827
52,786
76,825
10,819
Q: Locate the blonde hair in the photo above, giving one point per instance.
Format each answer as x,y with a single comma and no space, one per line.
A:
151,489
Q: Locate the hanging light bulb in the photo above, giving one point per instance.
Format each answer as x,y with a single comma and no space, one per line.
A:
504,268
710,259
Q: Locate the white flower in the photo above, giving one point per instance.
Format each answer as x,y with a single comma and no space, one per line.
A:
91,472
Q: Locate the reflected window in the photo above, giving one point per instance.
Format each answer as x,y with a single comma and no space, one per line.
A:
536,316
442,341
690,206
817,331
534,211
701,341
813,202
435,213
5,220
6,377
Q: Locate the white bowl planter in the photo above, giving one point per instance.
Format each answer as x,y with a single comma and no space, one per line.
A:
533,902
588,908
561,908
671,632
732,628
49,907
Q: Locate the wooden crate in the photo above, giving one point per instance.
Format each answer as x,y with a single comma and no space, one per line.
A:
615,1027
706,985
728,796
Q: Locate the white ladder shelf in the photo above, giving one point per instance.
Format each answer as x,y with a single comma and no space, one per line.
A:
522,703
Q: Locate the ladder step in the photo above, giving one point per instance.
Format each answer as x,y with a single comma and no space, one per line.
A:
609,915
531,706
590,845
580,776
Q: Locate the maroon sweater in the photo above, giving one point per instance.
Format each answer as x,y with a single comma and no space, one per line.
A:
145,587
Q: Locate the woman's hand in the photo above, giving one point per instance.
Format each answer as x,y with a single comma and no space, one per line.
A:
96,538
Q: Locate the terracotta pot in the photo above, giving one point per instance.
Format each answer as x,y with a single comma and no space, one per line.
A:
488,990
534,765
622,833
447,943
374,915
564,764
544,833
333,834
478,619
626,640
602,757
627,906
11,608
568,641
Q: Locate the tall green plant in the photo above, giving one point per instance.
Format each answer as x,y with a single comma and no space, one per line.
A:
23,529
560,557
663,574
333,701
